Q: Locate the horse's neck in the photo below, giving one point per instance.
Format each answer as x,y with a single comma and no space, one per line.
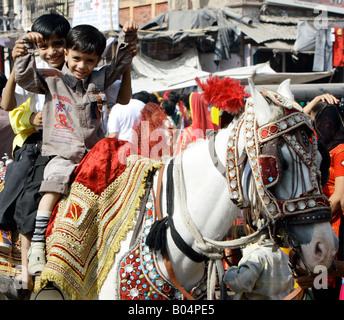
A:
207,193
207,201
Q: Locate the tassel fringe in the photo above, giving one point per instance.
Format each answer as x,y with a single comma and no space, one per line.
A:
156,239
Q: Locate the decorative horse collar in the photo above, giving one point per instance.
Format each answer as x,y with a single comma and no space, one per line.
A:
265,168
140,274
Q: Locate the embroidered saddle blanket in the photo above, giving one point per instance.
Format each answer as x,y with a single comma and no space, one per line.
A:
89,224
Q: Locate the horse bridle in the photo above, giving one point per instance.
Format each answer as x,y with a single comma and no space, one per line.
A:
304,209
264,166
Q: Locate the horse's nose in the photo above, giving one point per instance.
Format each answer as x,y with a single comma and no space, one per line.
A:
324,251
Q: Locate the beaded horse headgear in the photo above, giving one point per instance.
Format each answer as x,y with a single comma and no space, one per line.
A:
265,167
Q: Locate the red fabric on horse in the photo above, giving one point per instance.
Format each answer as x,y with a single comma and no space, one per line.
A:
103,165
88,228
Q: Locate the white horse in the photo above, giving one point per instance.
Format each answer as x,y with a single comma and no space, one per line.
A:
263,161
204,210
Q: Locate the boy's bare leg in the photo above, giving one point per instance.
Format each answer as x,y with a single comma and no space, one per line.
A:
49,201
36,254
26,279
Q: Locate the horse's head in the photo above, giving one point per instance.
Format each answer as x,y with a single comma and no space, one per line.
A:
282,177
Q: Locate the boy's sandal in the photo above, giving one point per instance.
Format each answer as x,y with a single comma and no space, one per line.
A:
37,261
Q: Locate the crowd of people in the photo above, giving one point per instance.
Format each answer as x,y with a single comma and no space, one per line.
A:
325,111
52,114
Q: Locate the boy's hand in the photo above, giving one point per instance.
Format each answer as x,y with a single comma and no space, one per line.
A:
130,27
305,281
132,48
328,97
19,49
36,119
35,37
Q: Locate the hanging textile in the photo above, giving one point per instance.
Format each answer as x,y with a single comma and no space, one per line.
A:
323,51
338,47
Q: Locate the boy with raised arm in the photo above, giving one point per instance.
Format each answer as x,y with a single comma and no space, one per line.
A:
71,113
19,198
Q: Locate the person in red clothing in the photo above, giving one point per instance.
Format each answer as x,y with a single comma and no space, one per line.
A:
329,127
198,112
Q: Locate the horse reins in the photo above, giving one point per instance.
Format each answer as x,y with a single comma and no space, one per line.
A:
166,258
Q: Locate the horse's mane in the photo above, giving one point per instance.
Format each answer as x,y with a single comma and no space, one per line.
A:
276,113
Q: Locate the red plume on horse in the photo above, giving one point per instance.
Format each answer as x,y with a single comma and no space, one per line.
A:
226,93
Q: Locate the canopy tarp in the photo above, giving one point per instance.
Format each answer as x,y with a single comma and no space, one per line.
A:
158,76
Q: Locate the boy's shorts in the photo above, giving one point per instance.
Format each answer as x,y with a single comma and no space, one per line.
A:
20,197
57,174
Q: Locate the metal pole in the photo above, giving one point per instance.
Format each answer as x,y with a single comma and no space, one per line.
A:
111,22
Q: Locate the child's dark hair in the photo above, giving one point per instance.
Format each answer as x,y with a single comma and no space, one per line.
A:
142,96
173,96
318,108
3,81
169,107
186,101
86,39
153,98
51,23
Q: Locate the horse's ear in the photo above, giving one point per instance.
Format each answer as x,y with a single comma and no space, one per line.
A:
261,107
284,89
